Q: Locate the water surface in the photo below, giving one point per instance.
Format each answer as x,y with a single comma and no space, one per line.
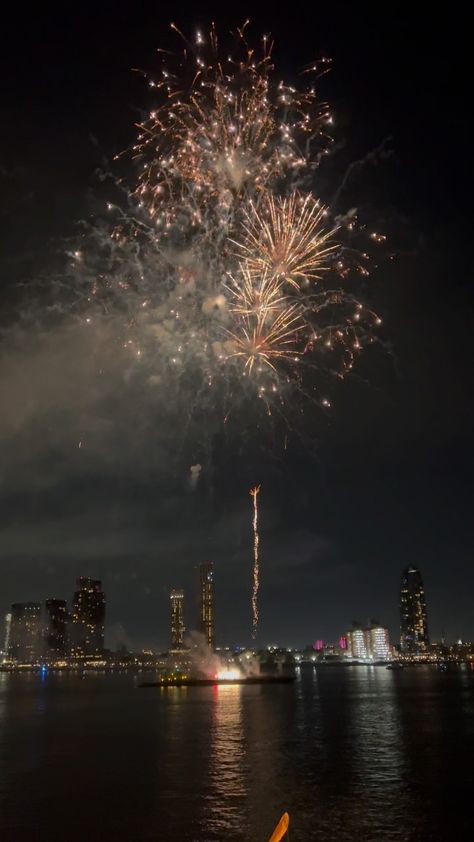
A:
356,753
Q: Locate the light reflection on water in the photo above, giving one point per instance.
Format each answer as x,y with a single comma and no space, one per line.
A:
351,753
227,774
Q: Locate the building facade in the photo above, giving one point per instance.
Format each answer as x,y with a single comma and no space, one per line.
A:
369,644
25,632
177,627
206,603
414,637
6,643
55,630
379,643
357,644
87,627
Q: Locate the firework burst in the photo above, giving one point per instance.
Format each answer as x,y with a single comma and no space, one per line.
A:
227,273
286,238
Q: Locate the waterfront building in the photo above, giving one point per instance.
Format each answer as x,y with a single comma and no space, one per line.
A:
55,638
206,603
25,632
87,628
6,644
414,637
368,644
357,643
177,619
379,643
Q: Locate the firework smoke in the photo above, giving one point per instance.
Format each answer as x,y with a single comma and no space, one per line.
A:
254,492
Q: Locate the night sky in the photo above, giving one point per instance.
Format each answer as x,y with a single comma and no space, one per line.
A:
383,480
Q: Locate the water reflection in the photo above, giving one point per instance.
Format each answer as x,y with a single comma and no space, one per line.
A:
350,752
227,794
378,752
436,714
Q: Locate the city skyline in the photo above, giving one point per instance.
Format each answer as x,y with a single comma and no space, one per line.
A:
51,628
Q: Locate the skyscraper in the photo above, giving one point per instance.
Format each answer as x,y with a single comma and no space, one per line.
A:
8,626
206,603
177,619
25,632
88,618
55,628
414,635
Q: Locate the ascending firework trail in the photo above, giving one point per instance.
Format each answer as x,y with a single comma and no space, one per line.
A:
254,492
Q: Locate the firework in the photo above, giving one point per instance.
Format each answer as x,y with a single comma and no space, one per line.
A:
226,269
266,337
286,239
254,492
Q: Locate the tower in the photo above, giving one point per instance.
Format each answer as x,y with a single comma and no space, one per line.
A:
55,628
88,618
25,632
8,625
177,619
206,603
414,635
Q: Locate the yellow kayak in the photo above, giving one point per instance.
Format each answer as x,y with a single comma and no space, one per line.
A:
281,828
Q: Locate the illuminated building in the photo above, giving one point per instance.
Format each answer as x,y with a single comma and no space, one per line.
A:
368,644
206,603
357,643
379,643
8,625
88,618
414,635
25,632
55,628
177,619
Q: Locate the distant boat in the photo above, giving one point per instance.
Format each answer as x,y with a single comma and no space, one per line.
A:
395,665
441,666
171,681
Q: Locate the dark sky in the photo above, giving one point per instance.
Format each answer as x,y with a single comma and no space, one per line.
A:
388,478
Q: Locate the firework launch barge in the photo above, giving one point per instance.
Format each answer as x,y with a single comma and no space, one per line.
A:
211,682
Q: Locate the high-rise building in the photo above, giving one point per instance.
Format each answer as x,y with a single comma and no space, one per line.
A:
55,642
368,644
414,635
379,643
177,619
25,632
87,628
206,603
357,643
8,626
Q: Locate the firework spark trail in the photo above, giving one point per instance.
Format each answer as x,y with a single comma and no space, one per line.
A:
254,492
